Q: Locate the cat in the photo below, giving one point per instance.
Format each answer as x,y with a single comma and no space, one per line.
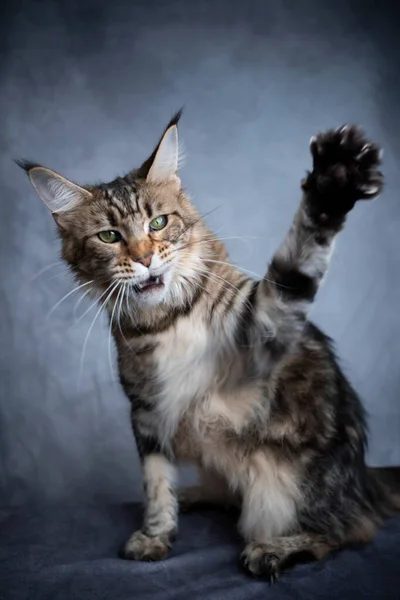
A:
223,371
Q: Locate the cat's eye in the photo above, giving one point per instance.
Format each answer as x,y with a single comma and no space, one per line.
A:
158,223
109,237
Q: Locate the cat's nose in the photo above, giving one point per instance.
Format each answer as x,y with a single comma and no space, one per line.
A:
145,259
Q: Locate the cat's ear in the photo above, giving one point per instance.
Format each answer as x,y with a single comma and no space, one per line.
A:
162,166
59,194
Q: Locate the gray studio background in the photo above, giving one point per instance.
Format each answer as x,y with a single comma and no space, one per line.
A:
86,89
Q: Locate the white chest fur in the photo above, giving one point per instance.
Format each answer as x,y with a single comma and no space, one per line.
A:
204,381
186,363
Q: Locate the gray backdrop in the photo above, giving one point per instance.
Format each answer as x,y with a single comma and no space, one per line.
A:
86,88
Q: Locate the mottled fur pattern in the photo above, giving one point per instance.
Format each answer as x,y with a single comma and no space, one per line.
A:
226,372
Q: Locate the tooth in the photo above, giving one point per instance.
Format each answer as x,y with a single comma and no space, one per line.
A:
157,280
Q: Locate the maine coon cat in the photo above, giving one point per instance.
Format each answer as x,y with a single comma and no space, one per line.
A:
224,371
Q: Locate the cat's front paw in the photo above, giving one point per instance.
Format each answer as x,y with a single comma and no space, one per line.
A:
345,169
145,548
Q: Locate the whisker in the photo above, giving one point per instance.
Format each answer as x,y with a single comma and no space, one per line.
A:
115,285
242,237
204,259
186,282
213,238
120,304
211,274
67,296
221,262
110,330
264,278
44,270
93,304
127,300
78,303
193,223
126,287
57,275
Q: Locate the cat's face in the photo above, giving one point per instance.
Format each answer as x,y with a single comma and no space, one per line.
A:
132,234
135,235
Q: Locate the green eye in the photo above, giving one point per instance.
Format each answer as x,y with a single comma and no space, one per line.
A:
109,237
158,223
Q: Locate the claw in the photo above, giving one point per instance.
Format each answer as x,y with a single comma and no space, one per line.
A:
370,190
344,132
314,145
273,578
344,161
364,150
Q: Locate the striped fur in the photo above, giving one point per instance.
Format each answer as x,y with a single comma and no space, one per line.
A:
227,372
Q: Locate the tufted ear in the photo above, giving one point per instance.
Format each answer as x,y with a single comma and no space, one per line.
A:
59,194
162,166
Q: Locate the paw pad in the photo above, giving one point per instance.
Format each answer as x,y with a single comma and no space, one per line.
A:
346,169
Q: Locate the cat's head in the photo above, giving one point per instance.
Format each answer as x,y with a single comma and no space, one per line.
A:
138,232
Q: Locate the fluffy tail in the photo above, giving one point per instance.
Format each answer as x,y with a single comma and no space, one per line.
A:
385,482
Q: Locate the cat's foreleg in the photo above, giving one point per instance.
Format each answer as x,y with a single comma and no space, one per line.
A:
155,538
160,521
345,169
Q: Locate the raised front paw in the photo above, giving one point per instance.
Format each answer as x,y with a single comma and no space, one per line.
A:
143,547
345,169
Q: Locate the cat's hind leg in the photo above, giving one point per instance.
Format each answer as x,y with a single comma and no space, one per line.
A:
269,559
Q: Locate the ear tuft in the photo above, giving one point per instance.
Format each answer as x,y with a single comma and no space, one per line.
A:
175,119
25,165
59,194
163,164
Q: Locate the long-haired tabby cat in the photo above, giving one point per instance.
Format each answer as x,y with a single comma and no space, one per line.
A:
224,371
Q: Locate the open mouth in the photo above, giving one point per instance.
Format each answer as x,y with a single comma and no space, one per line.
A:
151,284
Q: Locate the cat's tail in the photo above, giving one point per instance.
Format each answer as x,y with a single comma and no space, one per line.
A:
384,484
380,501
